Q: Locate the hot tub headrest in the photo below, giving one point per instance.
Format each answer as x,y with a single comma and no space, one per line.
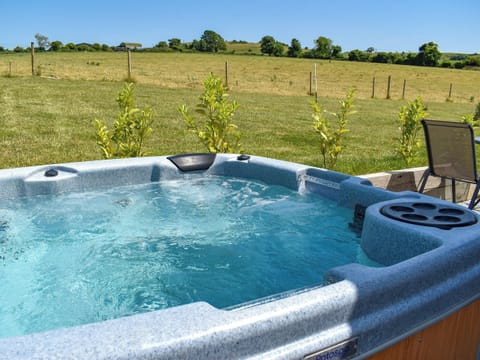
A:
193,162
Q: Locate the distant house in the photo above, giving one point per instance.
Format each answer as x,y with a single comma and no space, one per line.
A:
124,46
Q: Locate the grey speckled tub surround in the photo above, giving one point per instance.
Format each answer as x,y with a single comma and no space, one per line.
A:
430,272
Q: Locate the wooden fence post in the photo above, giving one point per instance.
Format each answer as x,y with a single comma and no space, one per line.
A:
32,52
310,87
403,90
450,91
129,65
373,88
226,74
388,86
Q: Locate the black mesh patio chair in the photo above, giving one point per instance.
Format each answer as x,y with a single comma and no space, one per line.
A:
451,155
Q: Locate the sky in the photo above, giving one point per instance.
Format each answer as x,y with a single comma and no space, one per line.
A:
385,25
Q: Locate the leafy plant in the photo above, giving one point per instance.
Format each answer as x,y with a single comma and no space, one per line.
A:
216,132
410,116
473,119
476,114
468,119
330,137
132,127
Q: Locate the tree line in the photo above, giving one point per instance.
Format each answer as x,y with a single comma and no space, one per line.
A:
428,54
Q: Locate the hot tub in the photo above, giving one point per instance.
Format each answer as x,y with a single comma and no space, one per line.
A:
422,269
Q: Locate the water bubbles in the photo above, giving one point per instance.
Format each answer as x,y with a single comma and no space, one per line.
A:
104,254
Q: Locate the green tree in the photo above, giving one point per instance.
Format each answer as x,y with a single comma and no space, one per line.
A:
409,58
197,45
70,46
410,116
56,45
162,44
357,55
175,44
381,57
278,49
267,45
295,48
211,42
336,51
428,55
132,127
473,60
323,48
216,132
331,137
84,47
42,41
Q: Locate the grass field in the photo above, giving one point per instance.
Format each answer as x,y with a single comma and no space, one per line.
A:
48,118
253,74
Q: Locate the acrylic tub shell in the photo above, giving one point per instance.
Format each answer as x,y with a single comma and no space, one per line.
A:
430,273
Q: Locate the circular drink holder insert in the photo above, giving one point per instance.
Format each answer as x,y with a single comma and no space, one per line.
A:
429,214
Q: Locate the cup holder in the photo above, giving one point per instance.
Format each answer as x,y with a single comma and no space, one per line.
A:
429,214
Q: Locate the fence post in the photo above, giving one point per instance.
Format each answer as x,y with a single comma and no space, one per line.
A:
403,90
388,86
373,88
129,65
450,91
226,74
32,52
10,69
310,85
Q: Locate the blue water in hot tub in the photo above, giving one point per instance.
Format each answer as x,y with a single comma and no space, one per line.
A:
78,258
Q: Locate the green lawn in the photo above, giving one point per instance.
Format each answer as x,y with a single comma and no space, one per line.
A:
48,119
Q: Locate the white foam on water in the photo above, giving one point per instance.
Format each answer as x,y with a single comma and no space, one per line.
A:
83,257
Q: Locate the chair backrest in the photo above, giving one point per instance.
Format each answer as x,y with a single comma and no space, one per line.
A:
451,150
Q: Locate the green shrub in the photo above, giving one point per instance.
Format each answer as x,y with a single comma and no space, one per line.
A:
410,116
473,60
476,114
468,119
331,138
216,131
446,64
132,127
473,119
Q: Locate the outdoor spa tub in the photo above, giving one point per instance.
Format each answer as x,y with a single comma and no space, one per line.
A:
245,275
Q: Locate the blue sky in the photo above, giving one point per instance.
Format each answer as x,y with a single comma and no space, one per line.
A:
385,25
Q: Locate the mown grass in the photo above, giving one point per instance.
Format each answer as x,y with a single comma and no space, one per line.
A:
49,119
